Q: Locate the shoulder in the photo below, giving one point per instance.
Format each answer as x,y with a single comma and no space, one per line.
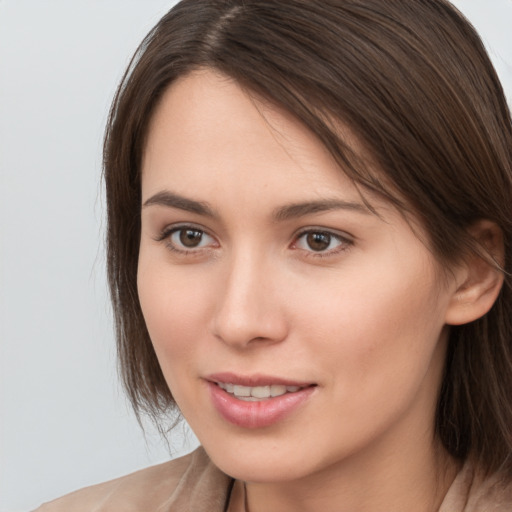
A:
190,483
472,492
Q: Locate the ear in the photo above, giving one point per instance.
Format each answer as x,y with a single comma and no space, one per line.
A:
478,280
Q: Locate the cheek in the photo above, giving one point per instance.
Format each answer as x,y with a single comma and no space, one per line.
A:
174,305
379,326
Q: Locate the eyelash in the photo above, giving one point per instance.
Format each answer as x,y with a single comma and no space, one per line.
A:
166,234
345,242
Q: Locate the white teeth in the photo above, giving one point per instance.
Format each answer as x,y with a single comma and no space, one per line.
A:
277,390
242,390
260,392
257,392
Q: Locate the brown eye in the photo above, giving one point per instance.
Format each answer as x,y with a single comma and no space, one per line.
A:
318,241
190,238
322,243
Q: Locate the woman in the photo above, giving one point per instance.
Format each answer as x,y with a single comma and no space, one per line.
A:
309,240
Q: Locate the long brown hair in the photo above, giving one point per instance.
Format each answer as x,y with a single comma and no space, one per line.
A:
412,81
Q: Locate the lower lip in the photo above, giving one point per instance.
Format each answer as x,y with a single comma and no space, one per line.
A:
262,413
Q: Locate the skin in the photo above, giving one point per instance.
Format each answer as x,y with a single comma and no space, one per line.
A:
364,319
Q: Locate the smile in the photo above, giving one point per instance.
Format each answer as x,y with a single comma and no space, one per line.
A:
257,401
256,393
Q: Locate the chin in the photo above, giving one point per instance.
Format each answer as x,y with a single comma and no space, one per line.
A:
259,471
261,461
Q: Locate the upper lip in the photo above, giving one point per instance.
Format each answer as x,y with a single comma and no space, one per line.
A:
254,380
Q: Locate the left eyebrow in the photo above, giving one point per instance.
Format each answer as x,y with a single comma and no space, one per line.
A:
295,210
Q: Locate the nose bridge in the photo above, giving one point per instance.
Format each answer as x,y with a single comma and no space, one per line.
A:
248,306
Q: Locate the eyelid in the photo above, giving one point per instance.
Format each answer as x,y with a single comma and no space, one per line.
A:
166,233
346,241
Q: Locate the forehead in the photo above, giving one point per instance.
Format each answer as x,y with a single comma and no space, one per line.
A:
209,130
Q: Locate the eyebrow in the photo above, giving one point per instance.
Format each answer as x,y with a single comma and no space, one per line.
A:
280,214
311,207
171,200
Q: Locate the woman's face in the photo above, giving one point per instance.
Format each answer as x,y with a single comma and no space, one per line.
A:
297,330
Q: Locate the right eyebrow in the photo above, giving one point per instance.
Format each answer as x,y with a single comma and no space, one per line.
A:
172,200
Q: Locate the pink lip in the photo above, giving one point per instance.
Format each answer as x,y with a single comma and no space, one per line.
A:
254,380
258,414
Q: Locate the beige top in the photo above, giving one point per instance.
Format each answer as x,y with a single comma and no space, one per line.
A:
193,484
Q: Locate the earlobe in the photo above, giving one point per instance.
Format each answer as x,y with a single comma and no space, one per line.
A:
479,278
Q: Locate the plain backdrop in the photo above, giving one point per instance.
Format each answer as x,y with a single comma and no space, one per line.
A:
64,420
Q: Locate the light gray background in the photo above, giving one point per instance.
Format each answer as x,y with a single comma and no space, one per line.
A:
64,421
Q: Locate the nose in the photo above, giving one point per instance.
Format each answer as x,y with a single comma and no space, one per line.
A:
250,308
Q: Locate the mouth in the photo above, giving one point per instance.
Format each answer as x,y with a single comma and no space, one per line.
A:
257,393
254,402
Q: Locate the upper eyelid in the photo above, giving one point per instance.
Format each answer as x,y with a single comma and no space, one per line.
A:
346,241
330,231
171,228
167,232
